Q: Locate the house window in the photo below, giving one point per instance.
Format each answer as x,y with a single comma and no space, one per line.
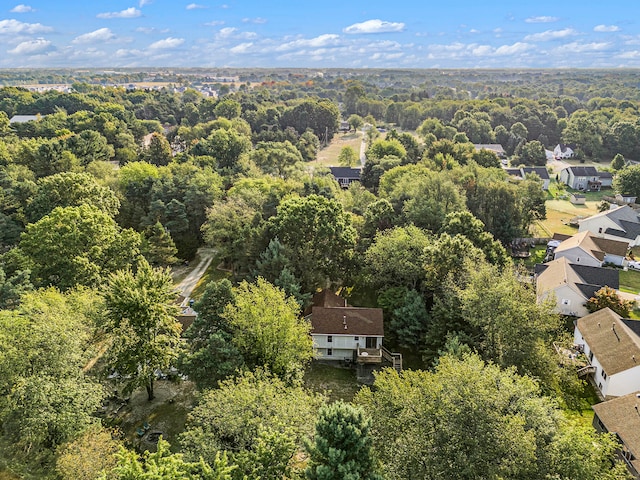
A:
600,386
566,301
329,352
330,338
604,375
600,230
591,356
356,338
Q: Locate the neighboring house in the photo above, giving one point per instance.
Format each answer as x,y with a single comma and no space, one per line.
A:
581,178
345,176
339,330
626,198
549,154
619,223
522,172
572,285
606,179
578,199
344,126
585,248
563,151
494,147
612,346
24,118
620,416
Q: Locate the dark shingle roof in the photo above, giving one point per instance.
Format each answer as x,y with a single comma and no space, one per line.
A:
540,171
598,276
345,172
605,174
584,171
358,321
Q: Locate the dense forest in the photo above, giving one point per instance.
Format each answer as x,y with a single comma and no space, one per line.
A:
110,187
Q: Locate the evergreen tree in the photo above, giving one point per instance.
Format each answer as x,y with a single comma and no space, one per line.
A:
342,446
158,247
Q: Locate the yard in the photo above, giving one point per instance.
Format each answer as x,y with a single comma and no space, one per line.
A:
328,157
337,383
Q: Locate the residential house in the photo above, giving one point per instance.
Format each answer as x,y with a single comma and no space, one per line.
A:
563,151
581,178
619,223
585,248
620,416
522,172
341,332
24,118
612,347
572,285
606,179
345,176
494,147
628,199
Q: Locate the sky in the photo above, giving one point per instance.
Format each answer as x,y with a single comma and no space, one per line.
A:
320,34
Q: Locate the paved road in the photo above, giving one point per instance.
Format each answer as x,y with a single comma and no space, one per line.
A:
189,282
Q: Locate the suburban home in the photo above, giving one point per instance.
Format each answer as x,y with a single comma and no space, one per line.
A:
626,198
572,285
618,223
522,172
620,416
563,151
349,334
606,179
344,126
494,147
24,118
581,178
577,199
345,176
585,248
612,347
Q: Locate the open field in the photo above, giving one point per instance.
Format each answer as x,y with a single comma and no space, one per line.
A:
337,383
560,212
328,156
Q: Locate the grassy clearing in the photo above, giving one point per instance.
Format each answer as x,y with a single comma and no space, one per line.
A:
537,256
212,274
560,212
630,281
583,413
336,383
328,156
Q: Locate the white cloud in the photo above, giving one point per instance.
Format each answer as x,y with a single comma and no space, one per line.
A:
550,35
214,23
516,48
130,12
14,27
31,47
227,32
606,28
575,47
142,3
257,20
195,6
473,30
328,39
22,9
166,43
542,19
241,48
100,35
374,26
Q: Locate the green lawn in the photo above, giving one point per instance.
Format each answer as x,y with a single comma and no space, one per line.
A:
211,274
336,383
630,281
583,413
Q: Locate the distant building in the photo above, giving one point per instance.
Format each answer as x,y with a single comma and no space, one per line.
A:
345,176
619,223
494,147
24,118
563,151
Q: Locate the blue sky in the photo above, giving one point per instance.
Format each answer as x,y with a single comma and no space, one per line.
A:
331,33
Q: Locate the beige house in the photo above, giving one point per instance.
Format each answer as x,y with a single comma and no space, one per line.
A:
585,248
572,285
619,223
621,417
612,346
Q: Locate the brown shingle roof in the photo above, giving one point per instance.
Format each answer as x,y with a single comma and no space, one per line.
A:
613,343
596,246
621,416
359,321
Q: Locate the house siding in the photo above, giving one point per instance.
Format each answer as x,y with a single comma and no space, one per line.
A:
342,346
575,305
578,256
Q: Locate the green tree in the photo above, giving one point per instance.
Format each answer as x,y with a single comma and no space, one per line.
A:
383,148
348,157
267,329
627,181
607,297
532,153
158,246
342,446
164,465
228,108
145,334
355,121
318,236
241,415
486,158
89,455
77,246
13,287
277,158
618,162
158,151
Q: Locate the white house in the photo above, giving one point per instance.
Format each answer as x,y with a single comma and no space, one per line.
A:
343,332
562,151
522,172
619,223
585,248
345,176
612,346
572,285
581,178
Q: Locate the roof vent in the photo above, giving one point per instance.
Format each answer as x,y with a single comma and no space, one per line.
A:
344,321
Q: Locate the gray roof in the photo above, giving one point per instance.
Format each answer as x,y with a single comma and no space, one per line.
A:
605,174
23,118
540,171
346,172
584,171
598,276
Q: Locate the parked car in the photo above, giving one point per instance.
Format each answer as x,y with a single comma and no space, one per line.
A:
634,265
